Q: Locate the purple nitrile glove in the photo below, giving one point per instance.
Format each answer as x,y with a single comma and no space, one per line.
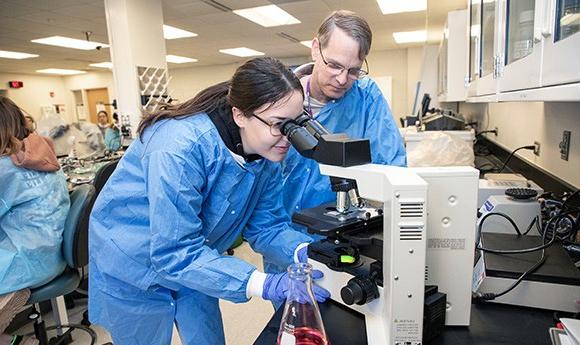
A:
276,288
302,255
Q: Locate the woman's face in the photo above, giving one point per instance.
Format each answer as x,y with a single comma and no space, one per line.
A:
263,139
102,118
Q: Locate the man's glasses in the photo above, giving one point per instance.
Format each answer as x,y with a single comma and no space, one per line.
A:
275,128
337,69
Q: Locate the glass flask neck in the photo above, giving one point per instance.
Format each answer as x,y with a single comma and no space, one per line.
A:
301,322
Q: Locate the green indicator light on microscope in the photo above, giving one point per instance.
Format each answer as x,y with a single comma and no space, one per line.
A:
347,259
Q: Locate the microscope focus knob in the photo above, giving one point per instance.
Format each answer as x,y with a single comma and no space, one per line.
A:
359,290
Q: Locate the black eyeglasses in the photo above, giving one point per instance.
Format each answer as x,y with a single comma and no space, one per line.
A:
336,69
275,128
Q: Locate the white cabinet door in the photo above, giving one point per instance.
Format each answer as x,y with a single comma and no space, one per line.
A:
452,59
522,44
442,58
561,43
489,49
474,58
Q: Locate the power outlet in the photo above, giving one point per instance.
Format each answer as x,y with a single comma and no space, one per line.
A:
496,131
565,145
536,148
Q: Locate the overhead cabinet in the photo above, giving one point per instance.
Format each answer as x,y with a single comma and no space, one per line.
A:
524,50
453,58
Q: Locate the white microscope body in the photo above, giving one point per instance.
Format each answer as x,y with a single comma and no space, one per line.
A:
396,316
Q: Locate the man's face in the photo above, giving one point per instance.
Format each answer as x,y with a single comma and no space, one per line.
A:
342,51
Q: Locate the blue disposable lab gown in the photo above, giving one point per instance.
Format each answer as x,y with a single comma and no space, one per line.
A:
33,209
178,200
113,139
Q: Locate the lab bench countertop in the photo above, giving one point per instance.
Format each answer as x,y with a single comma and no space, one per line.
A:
490,324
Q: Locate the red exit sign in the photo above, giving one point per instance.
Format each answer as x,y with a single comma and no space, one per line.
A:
15,84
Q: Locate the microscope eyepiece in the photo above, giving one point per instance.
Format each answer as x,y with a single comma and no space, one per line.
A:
299,137
288,127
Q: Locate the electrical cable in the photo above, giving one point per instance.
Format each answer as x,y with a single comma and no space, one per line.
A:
488,296
519,251
487,215
527,147
536,221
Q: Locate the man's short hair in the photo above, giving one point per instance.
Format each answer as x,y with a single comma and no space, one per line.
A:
352,24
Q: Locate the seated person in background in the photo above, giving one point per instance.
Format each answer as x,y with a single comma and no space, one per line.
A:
34,203
103,121
82,138
113,135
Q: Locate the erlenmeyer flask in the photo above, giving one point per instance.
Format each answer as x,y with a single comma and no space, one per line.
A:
301,322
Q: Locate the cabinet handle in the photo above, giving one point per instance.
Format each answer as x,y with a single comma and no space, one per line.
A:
549,18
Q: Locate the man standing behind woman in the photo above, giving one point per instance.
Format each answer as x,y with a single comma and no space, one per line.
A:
341,96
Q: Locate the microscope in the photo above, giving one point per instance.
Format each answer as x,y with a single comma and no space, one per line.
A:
374,250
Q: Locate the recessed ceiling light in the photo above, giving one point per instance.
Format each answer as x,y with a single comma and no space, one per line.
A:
178,59
102,64
70,43
60,71
308,43
267,16
16,55
170,33
410,36
400,6
242,51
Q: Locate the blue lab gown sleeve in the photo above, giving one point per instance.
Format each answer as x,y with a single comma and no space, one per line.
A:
386,143
178,246
269,231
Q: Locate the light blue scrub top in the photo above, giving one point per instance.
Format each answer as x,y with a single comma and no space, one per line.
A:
176,202
33,209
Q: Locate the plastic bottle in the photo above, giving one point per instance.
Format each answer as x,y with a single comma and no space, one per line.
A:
301,322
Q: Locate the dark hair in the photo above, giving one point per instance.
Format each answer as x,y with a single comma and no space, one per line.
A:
104,112
12,127
257,82
352,24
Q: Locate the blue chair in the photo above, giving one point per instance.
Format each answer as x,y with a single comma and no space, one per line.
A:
75,253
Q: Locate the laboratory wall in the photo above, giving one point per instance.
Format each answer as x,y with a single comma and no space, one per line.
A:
403,65
521,124
37,93
92,80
